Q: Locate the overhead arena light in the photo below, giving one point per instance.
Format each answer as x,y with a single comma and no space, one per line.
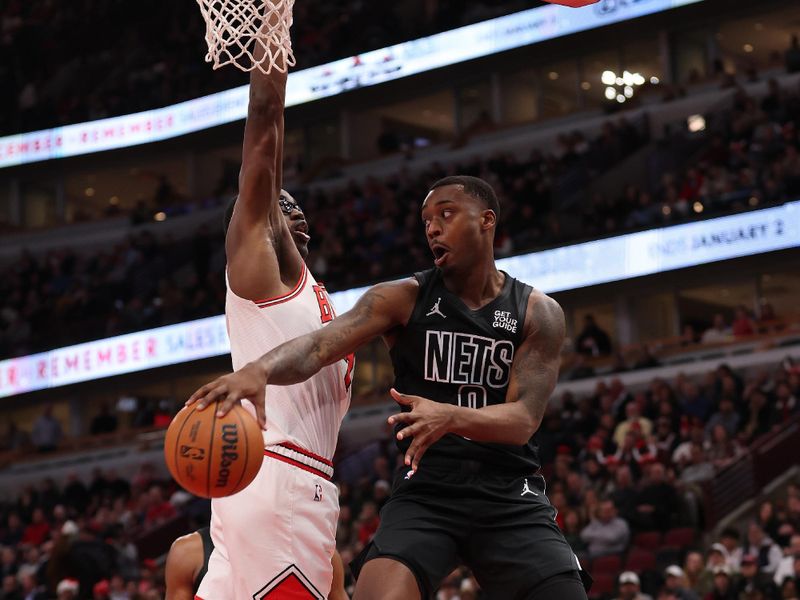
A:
627,78
609,78
696,123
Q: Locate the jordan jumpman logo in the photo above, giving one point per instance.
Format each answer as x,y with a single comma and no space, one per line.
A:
527,490
435,310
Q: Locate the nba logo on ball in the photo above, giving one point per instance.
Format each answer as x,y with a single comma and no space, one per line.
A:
193,453
213,456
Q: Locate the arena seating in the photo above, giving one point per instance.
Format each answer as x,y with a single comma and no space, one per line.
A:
750,162
136,518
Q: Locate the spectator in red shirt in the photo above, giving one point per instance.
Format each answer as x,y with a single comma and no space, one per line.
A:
36,533
742,323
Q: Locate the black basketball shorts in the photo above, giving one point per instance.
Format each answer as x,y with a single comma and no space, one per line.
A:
502,526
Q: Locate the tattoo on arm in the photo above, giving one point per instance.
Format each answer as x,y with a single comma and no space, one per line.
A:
302,357
536,365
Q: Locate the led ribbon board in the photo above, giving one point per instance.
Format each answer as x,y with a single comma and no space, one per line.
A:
569,267
371,68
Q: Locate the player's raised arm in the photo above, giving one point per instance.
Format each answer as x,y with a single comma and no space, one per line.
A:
262,259
534,373
382,308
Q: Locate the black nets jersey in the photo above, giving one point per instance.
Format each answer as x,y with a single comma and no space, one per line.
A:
450,353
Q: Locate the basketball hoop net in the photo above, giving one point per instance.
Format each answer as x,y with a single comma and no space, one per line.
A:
249,34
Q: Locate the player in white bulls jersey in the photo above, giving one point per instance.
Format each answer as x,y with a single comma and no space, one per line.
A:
276,538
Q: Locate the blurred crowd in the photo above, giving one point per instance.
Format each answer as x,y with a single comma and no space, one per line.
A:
752,159
369,230
594,353
64,297
624,469
88,60
78,540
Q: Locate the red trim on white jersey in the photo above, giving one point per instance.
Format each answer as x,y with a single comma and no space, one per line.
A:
300,457
301,283
307,453
297,463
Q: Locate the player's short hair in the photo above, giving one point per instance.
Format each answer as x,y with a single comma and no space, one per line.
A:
475,187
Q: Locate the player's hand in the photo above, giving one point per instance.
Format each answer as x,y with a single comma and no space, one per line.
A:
426,423
248,382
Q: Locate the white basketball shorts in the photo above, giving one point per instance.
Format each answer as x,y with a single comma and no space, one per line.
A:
274,539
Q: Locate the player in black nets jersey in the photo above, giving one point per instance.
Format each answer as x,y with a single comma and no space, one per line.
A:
476,356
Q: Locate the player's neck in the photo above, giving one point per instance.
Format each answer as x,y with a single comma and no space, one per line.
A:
478,286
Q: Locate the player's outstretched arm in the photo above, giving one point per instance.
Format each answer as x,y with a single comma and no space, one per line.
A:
258,244
534,373
382,308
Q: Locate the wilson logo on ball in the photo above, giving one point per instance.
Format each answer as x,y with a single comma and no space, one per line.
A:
214,456
230,435
193,453
193,431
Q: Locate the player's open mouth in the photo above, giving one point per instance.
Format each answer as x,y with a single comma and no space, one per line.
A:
439,255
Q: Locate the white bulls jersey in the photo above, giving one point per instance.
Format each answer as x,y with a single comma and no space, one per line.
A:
275,538
306,414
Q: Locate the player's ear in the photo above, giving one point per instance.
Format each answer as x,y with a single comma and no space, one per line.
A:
488,219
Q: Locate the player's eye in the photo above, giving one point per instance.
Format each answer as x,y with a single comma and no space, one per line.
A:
447,212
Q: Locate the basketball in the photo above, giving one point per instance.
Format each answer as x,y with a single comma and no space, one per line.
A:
213,456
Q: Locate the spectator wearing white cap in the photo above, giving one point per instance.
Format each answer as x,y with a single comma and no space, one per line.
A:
67,589
717,557
630,587
675,584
